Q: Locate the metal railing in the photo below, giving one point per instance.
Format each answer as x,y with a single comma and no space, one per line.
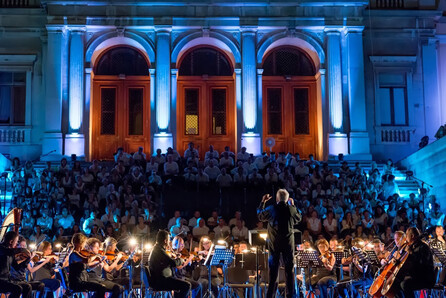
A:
394,134
15,134
19,3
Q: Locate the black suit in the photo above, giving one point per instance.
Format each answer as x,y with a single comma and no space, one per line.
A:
161,274
281,219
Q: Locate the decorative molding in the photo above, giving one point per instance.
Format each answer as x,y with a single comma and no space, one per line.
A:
393,61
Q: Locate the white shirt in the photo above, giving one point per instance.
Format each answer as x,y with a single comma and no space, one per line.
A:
211,155
224,180
220,230
171,168
243,156
193,222
151,167
301,171
200,231
226,162
240,234
212,172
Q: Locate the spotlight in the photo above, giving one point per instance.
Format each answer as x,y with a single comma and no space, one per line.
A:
58,245
253,249
221,242
263,236
133,241
148,246
32,246
245,251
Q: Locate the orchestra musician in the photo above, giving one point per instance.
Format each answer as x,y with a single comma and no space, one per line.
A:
281,218
202,251
96,267
418,270
8,254
440,243
46,273
357,277
180,271
325,276
161,268
114,263
78,264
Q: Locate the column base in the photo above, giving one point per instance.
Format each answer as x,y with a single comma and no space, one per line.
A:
337,143
75,144
360,146
252,142
52,143
162,141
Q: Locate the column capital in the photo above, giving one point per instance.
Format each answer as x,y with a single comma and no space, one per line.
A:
77,29
248,30
354,30
322,71
174,71
56,29
259,71
163,30
334,30
238,71
152,71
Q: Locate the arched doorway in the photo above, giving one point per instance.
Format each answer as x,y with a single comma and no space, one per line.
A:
290,101
206,101
121,102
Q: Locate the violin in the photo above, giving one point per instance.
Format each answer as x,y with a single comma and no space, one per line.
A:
89,257
22,255
39,257
111,255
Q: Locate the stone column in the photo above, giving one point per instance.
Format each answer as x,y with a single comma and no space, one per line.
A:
250,137
433,104
163,138
74,140
55,89
337,139
359,137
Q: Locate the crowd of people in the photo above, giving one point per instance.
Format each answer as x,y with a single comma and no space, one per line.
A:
200,200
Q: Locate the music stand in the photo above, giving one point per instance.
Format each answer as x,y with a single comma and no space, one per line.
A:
222,257
257,239
308,259
339,255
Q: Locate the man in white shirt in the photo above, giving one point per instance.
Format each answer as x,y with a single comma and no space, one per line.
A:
212,171
237,216
202,177
230,153
45,222
139,155
190,152
155,179
301,170
211,154
240,232
173,220
152,165
193,221
390,187
179,228
174,153
221,229
243,155
200,229
226,161
65,220
158,157
262,162
224,180
171,167
121,155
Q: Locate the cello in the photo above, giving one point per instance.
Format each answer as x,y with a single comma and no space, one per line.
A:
381,285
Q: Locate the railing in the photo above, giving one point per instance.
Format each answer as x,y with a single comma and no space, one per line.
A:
403,4
19,3
15,134
387,4
394,134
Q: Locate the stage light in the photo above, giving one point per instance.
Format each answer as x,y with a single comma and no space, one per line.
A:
245,251
133,241
263,236
221,242
32,246
253,249
148,246
205,239
58,245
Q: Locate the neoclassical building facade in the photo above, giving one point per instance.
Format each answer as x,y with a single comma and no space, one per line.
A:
85,77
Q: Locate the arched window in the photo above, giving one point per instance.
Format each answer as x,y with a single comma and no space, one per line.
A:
205,61
288,61
122,60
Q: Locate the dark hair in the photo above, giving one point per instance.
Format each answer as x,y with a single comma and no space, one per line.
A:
10,236
162,236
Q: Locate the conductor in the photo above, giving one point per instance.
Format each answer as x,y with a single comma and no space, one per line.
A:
281,218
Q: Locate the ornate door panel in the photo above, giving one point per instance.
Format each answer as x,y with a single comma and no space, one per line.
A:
289,114
120,116
206,114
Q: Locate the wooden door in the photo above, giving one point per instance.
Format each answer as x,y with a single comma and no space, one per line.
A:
120,116
206,115
289,114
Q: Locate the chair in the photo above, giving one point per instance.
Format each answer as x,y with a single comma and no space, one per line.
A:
151,292
239,279
436,292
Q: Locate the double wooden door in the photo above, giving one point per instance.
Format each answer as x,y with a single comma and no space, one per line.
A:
120,115
289,114
206,114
